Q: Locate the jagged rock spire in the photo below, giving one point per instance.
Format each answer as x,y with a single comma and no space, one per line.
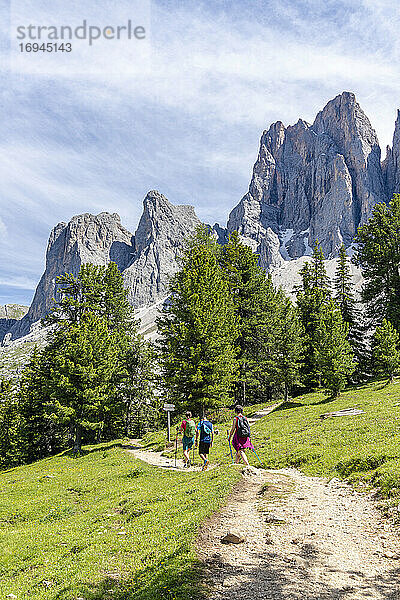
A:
313,181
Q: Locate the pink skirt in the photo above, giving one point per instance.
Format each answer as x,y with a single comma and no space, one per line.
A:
241,443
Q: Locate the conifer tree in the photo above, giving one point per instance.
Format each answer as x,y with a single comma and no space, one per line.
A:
74,387
333,353
254,299
378,254
343,285
136,387
312,298
81,389
96,289
198,328
10,448
351,313
39,435
386,350
286,354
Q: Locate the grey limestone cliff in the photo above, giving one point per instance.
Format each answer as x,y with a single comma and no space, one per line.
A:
311,182
159,238
147,260
391,164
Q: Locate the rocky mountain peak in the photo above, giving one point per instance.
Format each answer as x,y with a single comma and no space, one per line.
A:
391,164
312,181
159,238
146,260
160,219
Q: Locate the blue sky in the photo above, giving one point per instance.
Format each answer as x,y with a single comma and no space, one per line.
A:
98,129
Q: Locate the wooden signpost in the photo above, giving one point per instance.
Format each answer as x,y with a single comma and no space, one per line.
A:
169,408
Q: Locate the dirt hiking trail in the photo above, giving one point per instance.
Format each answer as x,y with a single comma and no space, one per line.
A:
305,539
157,459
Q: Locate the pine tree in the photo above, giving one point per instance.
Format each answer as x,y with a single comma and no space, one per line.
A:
73,387
198,329
252,294
312,298
318,276
81,388
98,290
333,353
10,447
351,313
343,285
378,254
286,354
386,350
136,388
39,435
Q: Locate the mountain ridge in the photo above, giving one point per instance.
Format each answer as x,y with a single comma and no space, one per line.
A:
310,181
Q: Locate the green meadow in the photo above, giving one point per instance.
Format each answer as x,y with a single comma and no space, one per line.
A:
107,526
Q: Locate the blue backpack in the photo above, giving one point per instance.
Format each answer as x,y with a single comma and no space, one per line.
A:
205,431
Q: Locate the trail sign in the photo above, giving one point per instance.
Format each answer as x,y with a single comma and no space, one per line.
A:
169,408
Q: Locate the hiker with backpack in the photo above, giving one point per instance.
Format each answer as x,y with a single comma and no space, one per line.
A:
188,428
206,432
240,432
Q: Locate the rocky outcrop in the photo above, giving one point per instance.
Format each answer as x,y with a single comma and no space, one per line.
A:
391,164
159,238
13,311
10,314
85,239
146,260
311,182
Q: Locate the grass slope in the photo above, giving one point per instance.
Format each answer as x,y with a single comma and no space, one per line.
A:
363,448
106,526
359,448
103,526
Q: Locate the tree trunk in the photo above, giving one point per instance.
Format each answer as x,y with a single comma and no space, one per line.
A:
78,439
286,397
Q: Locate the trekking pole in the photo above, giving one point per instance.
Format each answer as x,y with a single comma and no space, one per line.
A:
230,447
176,447
257,456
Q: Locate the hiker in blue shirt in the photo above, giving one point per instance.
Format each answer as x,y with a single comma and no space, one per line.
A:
206,432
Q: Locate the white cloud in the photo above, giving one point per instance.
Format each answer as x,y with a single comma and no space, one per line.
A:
23,283
188,124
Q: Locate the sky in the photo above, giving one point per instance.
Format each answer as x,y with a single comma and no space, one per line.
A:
181,111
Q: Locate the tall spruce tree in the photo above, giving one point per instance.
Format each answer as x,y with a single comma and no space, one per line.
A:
333,352
39,434
378,254
312,300
386,350
343,286
96,289
255,302
198,329
81,390
351,314
136,388
285,356
74,388
10,447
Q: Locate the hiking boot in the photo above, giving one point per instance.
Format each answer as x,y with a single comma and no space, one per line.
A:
205,466
188,464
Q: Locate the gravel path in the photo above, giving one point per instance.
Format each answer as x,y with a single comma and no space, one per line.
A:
305,539
163,462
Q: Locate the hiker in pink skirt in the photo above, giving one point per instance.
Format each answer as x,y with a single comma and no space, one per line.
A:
240,432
